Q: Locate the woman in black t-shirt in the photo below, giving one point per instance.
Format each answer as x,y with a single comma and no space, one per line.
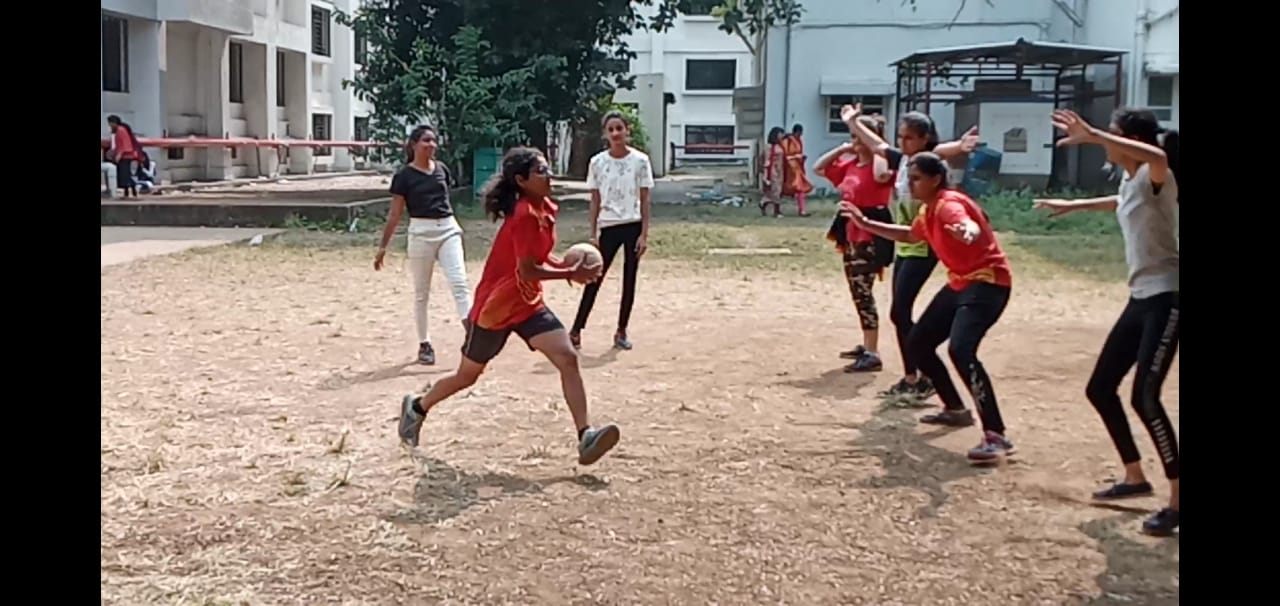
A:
422,188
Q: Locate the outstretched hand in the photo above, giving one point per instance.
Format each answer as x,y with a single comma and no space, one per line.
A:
853,214
1056,208
849,113
969,140
1075,128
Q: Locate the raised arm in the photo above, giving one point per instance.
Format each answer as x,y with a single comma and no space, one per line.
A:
849,114
826,159
1078,131
962,146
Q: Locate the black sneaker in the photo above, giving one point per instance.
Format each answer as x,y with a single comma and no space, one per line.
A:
1162,523
426,355
853,354
867,362
923,388
901,388
595,442
1121,490
950,418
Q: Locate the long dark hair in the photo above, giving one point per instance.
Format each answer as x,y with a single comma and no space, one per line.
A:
114,119
501,192
1143,125
414,136
775,135
932,165
922,125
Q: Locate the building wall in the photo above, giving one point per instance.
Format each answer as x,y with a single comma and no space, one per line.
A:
664,57
215,71
1151,67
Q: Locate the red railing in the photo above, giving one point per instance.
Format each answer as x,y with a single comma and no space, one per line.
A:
196,142
718,149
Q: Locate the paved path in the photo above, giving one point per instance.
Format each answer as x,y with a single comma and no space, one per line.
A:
125,244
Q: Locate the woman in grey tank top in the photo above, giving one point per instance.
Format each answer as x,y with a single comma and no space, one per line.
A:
1146,335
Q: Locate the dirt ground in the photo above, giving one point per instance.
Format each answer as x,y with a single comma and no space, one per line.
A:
249,452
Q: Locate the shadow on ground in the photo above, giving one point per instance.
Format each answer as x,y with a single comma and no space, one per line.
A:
835,384
444,491
344,379
908,458
1137,573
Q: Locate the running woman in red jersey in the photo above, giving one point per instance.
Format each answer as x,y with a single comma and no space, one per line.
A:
509,300
976,293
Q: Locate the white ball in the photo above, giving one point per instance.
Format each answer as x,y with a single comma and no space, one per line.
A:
586,251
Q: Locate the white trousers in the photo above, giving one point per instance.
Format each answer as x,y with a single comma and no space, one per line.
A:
432,240
109,176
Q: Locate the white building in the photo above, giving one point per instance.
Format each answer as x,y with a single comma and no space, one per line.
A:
685,78
841,52
268,69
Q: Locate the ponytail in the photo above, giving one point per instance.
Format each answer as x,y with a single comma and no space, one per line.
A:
501,191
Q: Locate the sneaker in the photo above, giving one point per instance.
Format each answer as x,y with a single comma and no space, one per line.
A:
620,341
993,448
1121,490
410,421
901,388
853,354
1162,523
868,362
426,354
950,418
923,388
595,442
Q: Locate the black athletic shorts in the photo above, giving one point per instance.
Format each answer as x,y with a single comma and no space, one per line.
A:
483,344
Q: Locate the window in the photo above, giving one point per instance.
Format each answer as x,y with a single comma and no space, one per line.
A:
1160,96
361,133
710,74
322,130
235,88
362,48
871,105
702,7
280,79
709,135
115,55
320,29
175,153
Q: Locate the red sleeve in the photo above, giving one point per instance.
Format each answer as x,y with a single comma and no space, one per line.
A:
526,234
917,229
835,171
951,213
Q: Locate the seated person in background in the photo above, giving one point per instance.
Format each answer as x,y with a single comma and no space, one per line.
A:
145,176
108,175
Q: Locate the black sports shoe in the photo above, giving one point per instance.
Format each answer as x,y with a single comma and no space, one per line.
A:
950,418
853,354
1121,490
1162,523
426,355
901,388
923,388
867,362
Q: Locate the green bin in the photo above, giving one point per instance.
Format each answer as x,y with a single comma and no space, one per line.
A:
486,163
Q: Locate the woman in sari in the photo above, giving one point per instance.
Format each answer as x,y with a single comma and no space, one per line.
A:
795,181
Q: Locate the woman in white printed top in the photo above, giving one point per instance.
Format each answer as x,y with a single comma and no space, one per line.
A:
620,179
1146,335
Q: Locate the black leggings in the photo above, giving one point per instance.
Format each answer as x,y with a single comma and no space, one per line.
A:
624,236
909,276
1146,335
963,317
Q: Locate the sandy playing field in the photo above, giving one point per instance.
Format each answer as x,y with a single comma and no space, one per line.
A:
249,452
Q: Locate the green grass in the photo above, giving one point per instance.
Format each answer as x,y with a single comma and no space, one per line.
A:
1087,243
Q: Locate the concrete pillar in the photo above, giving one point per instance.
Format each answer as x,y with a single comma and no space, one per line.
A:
211,95
145,84
343,67
297,100
260,103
